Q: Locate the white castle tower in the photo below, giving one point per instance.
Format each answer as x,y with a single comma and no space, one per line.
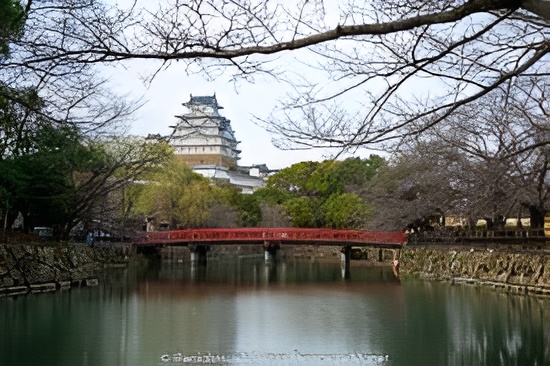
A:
203,137
205,141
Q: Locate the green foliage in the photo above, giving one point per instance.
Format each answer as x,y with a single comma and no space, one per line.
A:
194,204
294,179
164,190
323,194
345,211
227,193
303,211
12,20
244,207
13,184
357,172
325,180
106,188
250,214
49,170
20,121
176,195
272,195
36,161
63,178
40,185
311,194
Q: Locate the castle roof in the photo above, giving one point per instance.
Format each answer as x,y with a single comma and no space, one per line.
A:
203,100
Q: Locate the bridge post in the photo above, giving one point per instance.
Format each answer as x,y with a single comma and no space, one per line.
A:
198,253
270,250
395,263
345,255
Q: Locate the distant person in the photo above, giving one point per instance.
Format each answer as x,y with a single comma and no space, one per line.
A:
90,239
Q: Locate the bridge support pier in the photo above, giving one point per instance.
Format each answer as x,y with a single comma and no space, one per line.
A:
345,256
270,250
395,263
198,253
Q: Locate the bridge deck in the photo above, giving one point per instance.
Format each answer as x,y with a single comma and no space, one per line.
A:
226,236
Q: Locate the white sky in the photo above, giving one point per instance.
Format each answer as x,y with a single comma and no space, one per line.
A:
172,87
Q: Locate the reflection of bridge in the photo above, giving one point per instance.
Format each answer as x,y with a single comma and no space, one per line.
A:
199,240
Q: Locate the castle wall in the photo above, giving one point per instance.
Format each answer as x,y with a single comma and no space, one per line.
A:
207,159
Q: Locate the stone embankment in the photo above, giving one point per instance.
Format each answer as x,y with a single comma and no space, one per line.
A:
32,268
29,268
512,269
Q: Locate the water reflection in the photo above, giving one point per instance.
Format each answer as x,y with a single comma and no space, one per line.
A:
477,322
281,313
254,270
275,307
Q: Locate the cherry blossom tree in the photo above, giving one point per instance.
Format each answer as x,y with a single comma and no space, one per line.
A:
363,73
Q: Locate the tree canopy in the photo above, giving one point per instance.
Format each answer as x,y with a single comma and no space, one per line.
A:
66,180
460,83
378,67
489,160
174,196
58,166
322,194
12,18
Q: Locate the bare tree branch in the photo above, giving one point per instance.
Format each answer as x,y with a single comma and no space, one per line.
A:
398,61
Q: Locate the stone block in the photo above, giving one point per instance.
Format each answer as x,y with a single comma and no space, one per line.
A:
92,282
7,282
14,291
43,287
64,285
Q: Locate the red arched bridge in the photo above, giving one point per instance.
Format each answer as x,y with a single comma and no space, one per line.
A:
200,240
225,236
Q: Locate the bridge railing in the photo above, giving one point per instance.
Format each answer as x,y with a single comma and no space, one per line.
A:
270,234
481,236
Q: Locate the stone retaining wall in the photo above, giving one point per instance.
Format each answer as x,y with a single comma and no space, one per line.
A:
515,270
28,269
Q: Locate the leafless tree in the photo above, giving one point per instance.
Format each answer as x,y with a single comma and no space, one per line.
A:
363,72
73,94
415,185
65,96
274,216
101,200
507,132
223,216
486,160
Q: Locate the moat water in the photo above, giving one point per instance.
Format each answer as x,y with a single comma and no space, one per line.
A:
246,312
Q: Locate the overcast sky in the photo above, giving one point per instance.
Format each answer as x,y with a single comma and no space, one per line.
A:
172,87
